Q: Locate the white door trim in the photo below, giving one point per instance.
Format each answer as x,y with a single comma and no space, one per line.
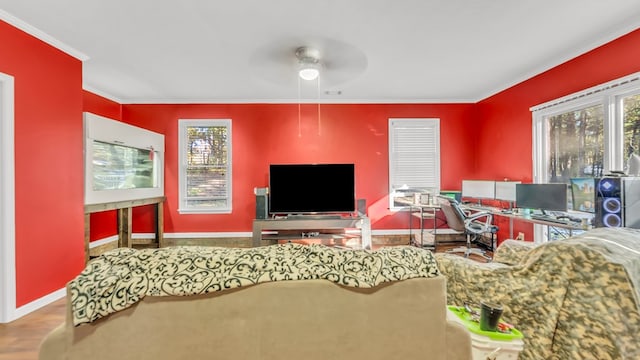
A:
7,202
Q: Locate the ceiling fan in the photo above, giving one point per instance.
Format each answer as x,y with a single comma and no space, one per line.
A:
308,62
282,61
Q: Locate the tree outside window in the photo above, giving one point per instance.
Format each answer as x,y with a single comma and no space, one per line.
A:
631,123
205,180
576,144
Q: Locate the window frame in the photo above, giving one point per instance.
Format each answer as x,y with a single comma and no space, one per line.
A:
610,95
183,124
417,123
541,148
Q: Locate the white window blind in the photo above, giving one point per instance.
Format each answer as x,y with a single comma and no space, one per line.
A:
414,156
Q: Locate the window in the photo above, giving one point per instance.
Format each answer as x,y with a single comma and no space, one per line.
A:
576,144
205,166
414,159
587,134
631,122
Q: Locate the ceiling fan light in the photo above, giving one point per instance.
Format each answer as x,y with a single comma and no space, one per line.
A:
309,72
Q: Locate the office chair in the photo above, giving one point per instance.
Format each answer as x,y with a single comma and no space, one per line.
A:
473,224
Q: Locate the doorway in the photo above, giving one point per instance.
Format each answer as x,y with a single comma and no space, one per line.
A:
7,201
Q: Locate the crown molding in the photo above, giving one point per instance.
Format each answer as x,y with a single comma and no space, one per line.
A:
105,95
41,35
296,101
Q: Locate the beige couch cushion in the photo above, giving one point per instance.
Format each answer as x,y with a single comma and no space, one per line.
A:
282,302
307,319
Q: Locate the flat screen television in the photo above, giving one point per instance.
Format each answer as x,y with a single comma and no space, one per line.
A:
552,197
311,188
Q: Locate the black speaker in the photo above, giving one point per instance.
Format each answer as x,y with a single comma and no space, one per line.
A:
362,207
262,203
609,203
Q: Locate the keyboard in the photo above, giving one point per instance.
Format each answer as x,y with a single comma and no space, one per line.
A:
550,219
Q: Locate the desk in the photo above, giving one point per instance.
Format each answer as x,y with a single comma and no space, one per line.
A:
569,225
422,212
527,218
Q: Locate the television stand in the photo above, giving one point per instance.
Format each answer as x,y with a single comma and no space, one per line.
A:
313,217
283,227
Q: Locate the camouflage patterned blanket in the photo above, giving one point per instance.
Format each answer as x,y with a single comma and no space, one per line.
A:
572,299
121,277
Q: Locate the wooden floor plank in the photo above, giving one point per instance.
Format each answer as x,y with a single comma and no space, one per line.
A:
19,339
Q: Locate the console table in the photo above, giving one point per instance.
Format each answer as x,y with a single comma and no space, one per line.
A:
125,218
312,223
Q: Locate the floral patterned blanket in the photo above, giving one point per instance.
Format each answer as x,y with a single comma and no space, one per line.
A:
119,278
572,299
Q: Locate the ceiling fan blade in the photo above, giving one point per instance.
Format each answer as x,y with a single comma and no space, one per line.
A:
277,62
274,64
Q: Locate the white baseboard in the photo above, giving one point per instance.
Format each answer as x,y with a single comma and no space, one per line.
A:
212,235
245,234
206,235
104,241
406,231
37,304
143,236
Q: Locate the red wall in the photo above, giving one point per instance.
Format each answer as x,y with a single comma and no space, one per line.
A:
490,140
473,137
272,133
505,135
48,163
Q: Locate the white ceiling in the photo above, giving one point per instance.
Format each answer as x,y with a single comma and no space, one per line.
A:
181,51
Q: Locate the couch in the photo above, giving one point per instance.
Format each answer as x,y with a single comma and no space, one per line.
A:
576,298
287,301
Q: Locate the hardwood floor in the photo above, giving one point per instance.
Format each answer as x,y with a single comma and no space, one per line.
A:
19,340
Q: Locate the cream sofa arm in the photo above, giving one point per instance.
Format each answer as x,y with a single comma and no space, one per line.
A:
54,345
458,342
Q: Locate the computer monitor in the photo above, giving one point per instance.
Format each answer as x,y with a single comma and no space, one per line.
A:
452,194
506,190
479,189
552,197
583,194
